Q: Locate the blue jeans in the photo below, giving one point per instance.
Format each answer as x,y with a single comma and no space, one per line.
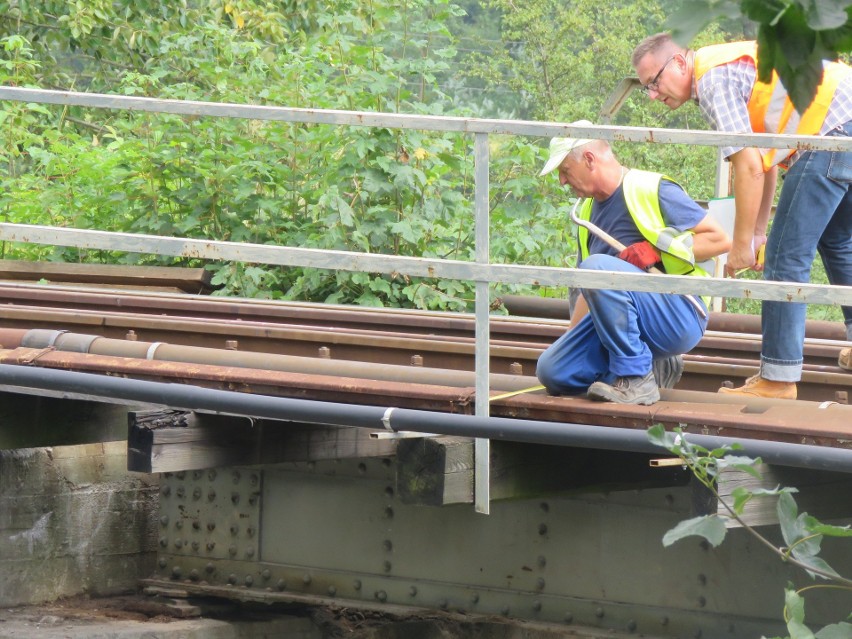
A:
814,213
620,336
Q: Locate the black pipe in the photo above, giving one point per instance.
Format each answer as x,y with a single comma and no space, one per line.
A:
378,418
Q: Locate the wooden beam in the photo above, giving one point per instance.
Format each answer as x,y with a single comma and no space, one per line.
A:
168,441
822,494
438,471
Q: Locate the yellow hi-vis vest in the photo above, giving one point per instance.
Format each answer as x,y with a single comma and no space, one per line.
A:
641,193
769,107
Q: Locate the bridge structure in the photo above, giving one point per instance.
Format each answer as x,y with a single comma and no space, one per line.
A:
442,483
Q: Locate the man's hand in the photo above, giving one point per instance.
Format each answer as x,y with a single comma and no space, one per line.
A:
739,258
641,254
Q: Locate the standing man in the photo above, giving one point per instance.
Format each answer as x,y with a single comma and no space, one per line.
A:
617,336
814,211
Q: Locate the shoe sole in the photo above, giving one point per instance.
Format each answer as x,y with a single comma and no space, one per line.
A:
604,395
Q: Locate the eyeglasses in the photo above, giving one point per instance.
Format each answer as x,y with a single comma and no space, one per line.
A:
653,84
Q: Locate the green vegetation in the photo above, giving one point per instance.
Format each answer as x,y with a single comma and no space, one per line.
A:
320,186
802,533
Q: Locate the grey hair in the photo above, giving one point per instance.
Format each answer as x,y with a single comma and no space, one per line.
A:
659,42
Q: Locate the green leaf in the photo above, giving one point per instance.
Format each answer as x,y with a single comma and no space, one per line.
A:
825,14
711,527
794,606
685,23
840,630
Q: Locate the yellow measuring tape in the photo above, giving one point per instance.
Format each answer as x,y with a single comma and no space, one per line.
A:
517,392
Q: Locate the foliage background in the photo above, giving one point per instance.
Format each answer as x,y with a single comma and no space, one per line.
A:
326,187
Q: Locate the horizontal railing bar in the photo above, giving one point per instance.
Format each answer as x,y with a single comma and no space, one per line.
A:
427,122
422,267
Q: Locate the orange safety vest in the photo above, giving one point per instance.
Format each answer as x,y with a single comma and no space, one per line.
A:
769,107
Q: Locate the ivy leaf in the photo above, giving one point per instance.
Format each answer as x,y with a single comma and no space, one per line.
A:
711,527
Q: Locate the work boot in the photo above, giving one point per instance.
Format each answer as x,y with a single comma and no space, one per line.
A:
756,386
627,390
668,370
844,360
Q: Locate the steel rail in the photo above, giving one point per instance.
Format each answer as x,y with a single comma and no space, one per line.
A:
391,418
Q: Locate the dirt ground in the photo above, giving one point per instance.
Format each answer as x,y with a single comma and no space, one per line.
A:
149,617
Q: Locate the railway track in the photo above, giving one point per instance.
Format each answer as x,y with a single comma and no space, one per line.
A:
414,359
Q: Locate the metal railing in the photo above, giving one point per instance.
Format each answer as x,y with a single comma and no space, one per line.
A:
480,271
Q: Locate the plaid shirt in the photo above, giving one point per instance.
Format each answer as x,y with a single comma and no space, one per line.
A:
724,91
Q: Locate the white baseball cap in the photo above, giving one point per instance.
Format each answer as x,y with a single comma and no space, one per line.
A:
561,147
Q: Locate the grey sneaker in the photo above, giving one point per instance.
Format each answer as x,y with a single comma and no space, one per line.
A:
627,390
668,371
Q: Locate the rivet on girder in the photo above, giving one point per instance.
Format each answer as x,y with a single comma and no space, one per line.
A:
702,602
542,561
281,584
539,583
131,336
417,360
162,562
841,397
166,490
193,574
164,521
164,541
362,469
542,529
196,494
180,492
232,579
211,495
231,344
537,606
232,550
196,525
381,595
474,598
181,474
443,604
388,512
545,507
505,611
386,566
250,553
209,568
196,474
664,621
702,579
412,592
249,580
599,613
235,498
250,531
211,526
178,543
631,626
324,352
389,492
196,546
254,479
568,617
266,574
727,384
698,633
387,544
356,584
306,579
332,591
516,368
235,529
179,524
235,477
253,499
176,572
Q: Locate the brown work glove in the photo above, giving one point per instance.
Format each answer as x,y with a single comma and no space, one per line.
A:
641,254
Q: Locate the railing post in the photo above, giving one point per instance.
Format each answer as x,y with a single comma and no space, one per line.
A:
482,447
